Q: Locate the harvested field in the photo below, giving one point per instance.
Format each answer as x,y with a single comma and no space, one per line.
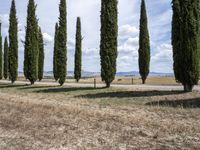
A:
51,117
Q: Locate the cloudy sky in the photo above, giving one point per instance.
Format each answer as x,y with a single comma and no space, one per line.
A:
159,15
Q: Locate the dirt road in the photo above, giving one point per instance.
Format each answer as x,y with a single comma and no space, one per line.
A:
134,87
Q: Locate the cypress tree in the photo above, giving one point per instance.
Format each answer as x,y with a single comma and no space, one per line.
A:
62,41
176,22
55,61
13,44
108,44
185,42
78,51
144,44
31,44
41,56
6,51
1,62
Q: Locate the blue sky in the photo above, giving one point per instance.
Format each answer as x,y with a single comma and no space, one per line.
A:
159,17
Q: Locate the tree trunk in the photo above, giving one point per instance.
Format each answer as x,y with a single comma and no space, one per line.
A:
107,85
188,88
144,80
32,82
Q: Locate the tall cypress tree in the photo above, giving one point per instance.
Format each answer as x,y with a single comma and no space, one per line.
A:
109,34
6,51
62,41
41,56
55,57
185,42
176,32
144,44
1,62
78,51
13,44
31,44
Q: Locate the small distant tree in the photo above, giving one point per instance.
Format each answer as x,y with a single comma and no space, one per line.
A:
109,42
78,51
1,62
13,44
31,44
6,51
41,56
144,44
62,43
185,42
55,55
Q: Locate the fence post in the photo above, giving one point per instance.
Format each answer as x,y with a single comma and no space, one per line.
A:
95,83
132,81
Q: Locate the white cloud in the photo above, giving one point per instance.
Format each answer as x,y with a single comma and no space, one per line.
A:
90,51
71,42
162,60
4,18
130,45
47,38
128,30
132,41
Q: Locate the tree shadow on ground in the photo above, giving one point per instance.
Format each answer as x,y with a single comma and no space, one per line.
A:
188,103
36,87
66,89
5,86
124,94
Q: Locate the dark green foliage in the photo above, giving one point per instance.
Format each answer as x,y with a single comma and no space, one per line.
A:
144,44
62,41
185,41
1,62
109,34
78,51
41,56
6,51
55,57
31,44
13,44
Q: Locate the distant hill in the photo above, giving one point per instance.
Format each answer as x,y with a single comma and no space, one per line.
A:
71,73
135,73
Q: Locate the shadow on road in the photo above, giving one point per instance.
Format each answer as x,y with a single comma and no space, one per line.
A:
124,94
188,103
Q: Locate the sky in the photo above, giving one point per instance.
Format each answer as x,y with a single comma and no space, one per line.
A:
159,23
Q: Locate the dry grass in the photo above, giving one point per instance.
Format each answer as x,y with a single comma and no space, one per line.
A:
48,118
136,80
